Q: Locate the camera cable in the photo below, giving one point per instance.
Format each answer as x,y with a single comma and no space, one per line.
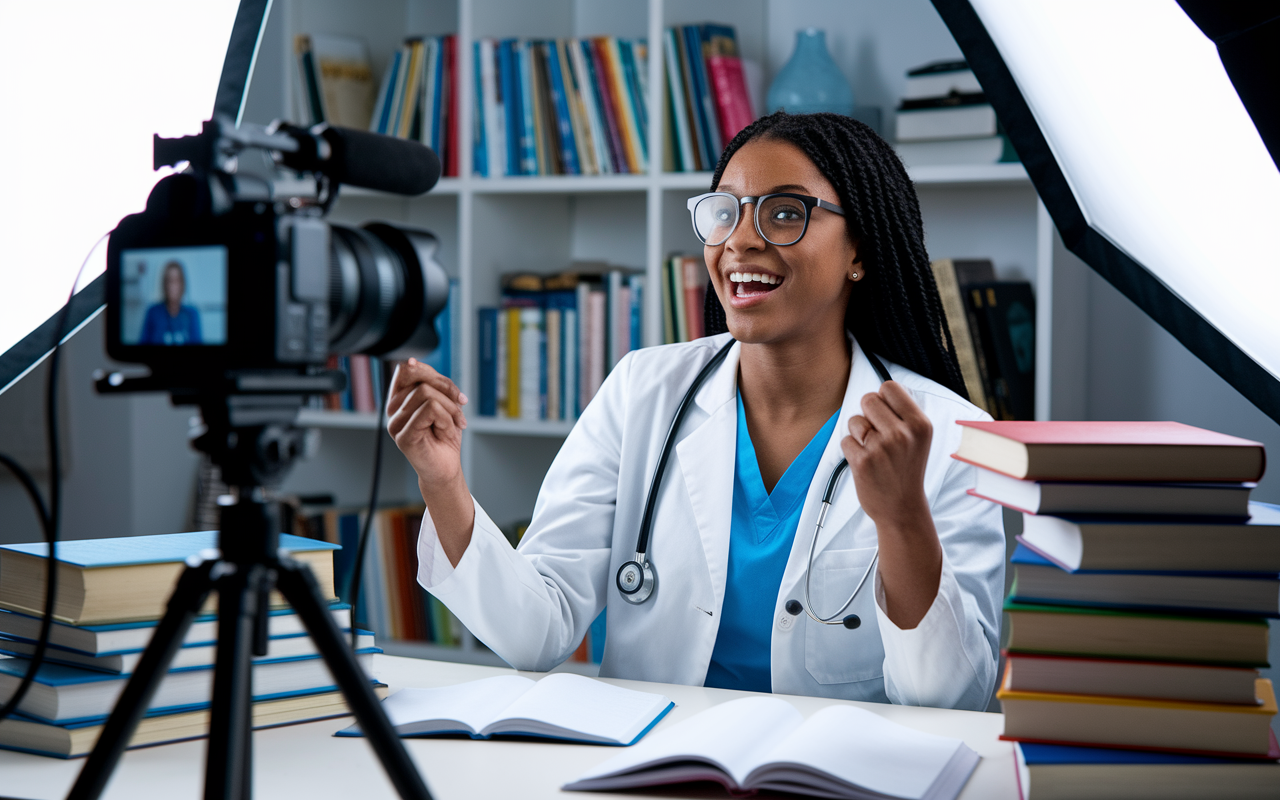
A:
50,515
353,585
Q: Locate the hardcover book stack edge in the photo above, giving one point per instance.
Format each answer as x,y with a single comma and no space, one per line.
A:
1143,582
111,594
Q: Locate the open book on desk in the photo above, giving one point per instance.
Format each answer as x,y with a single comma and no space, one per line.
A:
561,706
764,743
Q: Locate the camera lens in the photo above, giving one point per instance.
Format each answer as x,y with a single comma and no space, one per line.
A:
385,289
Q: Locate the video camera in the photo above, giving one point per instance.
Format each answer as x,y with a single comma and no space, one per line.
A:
220,283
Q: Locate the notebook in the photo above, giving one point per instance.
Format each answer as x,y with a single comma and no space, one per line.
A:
562,706
764,743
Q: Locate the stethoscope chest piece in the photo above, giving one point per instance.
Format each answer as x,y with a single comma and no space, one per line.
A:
636,580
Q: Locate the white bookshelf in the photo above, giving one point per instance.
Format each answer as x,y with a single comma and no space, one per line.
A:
488,226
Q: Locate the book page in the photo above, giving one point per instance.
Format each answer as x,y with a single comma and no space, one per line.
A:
565,704
863,749
474,704
733,736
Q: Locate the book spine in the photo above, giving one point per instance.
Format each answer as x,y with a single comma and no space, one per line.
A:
617,83
479,141
694,288
513,362
578,51
564,121
529,364
608,104
569,364
583,304
638,113
552,323
596,343
529,162
513,114
577,109
668,317
732,104
541,129
637,312
495,144
450,123
504,361
488,341
679,118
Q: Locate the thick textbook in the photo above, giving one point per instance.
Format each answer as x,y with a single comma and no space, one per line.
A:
132,637
78,738
127,578
765,744
189,656
560,706
1109,633
1038,580
1157,680
1101,497
1109,451
1172,544
1206,728
63,694
1066,772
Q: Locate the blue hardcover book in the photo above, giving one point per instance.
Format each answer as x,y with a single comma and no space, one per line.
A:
388,101
441,359
709,136
435,135
479,153
635,96
488,375
131,637
528,147
509,80
1039,580
562,706
158,549
637,311
1035,753
63,694
345,559
568,146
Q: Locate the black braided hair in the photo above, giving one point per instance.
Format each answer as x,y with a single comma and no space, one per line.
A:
894,310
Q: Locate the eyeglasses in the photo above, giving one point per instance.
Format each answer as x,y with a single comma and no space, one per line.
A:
780,218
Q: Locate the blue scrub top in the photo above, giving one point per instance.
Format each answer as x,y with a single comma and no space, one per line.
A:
160,328
760,537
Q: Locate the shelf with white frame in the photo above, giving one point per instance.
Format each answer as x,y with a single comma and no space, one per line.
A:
488,226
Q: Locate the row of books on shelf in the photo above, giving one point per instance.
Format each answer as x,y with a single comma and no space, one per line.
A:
993,328
684,295
945,118
99,634
545,351
368,377
561,106
1143,582
392,602
417,99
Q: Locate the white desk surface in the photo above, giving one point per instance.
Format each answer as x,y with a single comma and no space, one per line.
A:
307,761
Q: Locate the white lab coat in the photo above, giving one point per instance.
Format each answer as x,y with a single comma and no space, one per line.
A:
533,605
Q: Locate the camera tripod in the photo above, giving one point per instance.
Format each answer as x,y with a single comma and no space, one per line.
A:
253,440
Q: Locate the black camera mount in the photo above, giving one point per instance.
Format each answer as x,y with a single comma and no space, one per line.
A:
250,434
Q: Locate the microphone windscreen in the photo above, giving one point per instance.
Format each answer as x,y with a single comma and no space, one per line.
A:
382,163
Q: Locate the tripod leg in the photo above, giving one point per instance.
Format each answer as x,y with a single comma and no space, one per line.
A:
300,589
189,595
228,766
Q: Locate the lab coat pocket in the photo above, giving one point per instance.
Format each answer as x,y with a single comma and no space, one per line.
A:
834,653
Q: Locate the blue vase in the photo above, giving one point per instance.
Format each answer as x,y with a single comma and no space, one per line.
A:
811,81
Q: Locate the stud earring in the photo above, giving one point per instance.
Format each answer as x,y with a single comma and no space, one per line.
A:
854,276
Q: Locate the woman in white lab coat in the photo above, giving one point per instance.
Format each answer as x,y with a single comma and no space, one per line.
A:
815,249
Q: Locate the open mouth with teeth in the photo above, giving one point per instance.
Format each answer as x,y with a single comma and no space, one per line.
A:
746,284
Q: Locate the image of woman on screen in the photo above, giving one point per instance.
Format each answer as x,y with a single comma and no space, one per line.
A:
171,322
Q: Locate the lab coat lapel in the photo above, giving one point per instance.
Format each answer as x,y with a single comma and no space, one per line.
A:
707,460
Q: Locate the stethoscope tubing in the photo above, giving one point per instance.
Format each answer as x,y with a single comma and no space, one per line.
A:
642,564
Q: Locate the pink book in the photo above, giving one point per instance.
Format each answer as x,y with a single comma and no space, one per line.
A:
361,384
1109,451
595,352
732,103
695,294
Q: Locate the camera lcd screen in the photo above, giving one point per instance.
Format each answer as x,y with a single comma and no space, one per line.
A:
174,296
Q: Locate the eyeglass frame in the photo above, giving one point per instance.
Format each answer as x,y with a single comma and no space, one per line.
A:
808,201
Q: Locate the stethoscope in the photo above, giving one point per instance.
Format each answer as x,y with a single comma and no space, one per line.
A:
637,579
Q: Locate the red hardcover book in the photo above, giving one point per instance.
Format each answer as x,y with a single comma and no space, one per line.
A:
724,67
450,84
1109,451
695,290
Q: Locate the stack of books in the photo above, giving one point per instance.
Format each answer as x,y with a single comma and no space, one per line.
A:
560,106
1142,585
111,592
944,118
545,351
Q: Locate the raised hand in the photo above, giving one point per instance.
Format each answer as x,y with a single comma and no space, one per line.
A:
888,450
424,417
